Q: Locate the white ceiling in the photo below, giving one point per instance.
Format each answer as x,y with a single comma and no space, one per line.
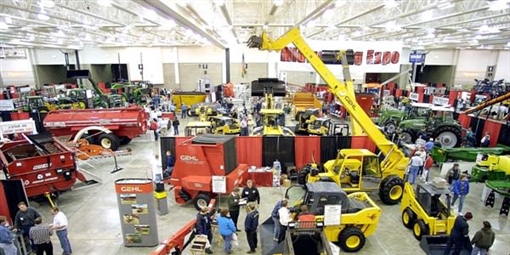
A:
113,23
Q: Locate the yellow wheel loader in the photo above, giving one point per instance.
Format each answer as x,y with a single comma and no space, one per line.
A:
224,125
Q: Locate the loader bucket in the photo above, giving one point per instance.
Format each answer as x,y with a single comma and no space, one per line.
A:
435,245
269,246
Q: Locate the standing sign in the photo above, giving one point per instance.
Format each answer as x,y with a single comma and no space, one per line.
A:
6,105
219,184
137,212
414,96
441,101
332,214
335,250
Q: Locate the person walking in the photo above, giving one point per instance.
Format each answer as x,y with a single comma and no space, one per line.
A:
41,236
184,110
25,220
453,174
251,194
284,217
429,162
486,140
233,206
244,127
460,190
170,162
414,167
251,223
203,227
175,124
60,227
227,229
276,220
6,238
423,156
459,234
483,239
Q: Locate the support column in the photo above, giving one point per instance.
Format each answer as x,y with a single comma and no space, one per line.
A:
227,65
77,60
176,68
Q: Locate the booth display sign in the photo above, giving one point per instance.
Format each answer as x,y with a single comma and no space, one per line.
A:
441,101
137,212
332,215
414,96
6,105
219,184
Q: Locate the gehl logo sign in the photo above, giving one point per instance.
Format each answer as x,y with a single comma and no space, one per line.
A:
372,57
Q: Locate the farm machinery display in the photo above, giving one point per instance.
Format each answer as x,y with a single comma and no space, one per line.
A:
389,119
197,161
441,155
358,220
45,166
439,124
109,128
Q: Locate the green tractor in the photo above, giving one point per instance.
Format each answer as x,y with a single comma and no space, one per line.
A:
389,119
438,124
134,94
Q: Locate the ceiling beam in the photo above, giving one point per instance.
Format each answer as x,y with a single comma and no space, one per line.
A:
319,10
165,10
448,16
474,20
70,8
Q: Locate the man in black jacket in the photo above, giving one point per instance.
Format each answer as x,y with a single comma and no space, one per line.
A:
25,220
203,227
459,235
251,194
251,224
233,205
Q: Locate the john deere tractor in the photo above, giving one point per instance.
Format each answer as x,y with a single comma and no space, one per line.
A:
389,119
438,124
357,170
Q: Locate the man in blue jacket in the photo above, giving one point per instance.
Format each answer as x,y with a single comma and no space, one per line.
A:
460,190
203,227
251,223
459,235
276,219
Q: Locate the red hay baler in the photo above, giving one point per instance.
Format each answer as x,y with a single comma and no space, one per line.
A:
46,167
124,124
198,160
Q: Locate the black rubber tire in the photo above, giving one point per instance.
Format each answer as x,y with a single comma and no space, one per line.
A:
109,141
409,216
302,175
419,225
201,200
351,232
386,188
123,140
188,112
453,129
388,123
411,134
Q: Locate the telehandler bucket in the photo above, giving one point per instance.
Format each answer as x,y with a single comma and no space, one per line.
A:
435,245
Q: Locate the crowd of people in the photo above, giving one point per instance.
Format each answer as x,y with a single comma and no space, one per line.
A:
28,223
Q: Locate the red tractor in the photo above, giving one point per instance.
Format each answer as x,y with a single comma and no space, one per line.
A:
203,161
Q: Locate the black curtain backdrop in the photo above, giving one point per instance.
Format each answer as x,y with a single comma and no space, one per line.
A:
330,146
281,148
166,143
477,125
14,193
504,135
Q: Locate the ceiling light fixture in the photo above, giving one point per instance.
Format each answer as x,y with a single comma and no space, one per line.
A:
328,13
390,4
42,15
278,2
498,5
427,15
445,6
310,24
47,3
104,3
3,26
8,20
340,3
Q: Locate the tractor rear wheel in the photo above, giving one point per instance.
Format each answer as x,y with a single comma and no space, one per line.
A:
303,175
391,190
448,136
408,218
390,126
109,141
351,239
407,136
201,200
420,229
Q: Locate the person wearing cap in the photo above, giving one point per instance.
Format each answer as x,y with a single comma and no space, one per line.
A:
429,145
483,239
414,166
459,235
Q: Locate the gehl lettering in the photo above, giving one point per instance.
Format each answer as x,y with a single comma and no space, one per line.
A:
131,189
350,102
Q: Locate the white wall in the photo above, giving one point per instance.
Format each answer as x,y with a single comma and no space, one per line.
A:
17,71
440,58
503,66
472,64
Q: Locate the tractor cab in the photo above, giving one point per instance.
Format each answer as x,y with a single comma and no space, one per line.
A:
316,195
195,128
319,126
306,118
36,103
225,125
338,129
115,100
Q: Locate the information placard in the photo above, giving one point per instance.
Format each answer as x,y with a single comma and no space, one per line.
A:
332,214
219,184
414,96
6,105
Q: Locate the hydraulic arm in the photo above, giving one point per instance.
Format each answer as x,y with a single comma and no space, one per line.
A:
394,158
488,103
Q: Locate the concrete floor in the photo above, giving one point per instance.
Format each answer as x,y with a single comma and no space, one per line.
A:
94,224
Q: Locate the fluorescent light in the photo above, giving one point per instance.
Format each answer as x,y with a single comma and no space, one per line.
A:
3,26
445,6
328,13
278,2
340,3
47,3
151,14
427,15
8,20
219,2
42,15
390,4
498,5
104,2
169,23
310,24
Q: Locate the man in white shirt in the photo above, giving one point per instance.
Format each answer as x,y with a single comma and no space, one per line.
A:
156,168
244,127
414,167
284,215
60,226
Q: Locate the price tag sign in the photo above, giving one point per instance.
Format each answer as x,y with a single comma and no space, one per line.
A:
219,184
332,214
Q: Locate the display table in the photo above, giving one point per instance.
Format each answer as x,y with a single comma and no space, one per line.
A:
260,178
